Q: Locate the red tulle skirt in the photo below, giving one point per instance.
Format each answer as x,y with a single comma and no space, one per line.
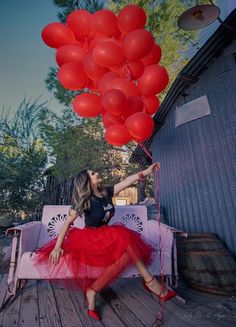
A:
93,257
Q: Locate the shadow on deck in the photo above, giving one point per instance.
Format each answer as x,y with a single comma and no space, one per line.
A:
125,303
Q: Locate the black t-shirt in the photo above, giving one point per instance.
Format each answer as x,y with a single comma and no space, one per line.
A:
101,209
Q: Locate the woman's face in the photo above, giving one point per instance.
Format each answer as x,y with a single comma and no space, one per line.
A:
94,178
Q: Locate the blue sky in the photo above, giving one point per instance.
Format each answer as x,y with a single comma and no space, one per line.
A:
25,59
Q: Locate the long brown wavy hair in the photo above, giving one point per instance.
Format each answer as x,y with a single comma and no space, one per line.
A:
83,192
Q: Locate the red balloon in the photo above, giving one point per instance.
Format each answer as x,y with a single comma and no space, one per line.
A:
56,35
104,22
71,76
137,44
151,104
91,69
79,22
92,85
131,70
81,42
114,101
127,87
87,105
134,104
104,82
113,40
154,80
117,135
68,53
153,57
96,40
140,126
130,18
109,119
108,54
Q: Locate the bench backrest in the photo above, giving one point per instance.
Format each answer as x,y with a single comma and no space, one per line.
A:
54,216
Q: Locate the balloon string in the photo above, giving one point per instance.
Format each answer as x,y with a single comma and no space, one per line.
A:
127,72
160,316
145,150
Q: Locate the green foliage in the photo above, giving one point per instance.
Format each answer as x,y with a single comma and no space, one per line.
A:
75,144
66,7
23,158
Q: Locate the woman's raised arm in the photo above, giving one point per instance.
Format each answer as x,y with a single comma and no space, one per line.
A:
134,178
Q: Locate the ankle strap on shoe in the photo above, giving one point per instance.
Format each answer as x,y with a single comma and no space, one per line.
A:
149,280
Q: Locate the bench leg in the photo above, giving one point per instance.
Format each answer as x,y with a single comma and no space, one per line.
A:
13,282
12,293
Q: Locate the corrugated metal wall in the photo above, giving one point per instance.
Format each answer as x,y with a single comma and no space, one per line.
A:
198,159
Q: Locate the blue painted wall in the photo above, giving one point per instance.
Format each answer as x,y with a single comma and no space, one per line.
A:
198,159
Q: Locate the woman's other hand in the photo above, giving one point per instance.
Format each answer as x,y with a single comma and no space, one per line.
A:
55,255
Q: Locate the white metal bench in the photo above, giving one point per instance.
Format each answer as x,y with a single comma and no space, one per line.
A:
28,237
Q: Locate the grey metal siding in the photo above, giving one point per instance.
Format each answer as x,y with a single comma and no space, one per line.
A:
198,159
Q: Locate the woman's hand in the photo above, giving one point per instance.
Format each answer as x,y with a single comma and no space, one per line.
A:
154,166
55,255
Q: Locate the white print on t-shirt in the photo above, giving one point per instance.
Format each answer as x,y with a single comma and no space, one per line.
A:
107,217
108,207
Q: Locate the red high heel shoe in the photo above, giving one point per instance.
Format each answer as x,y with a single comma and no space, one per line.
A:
169,295
91,313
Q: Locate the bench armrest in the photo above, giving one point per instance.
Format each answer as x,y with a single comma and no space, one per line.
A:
29,235
27,226
172,229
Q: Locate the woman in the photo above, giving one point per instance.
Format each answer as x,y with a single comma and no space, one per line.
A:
96,255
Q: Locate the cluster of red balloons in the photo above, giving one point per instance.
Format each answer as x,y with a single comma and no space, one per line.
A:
117,60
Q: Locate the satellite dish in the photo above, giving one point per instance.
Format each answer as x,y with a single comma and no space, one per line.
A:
198,17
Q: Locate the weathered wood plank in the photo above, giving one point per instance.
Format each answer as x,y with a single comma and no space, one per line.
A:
202,309
10,316
3,288
195,297
48,312
78,300
134,304
135,287
29,313
125,303
66,308
109,317
213,314
126,315
196,312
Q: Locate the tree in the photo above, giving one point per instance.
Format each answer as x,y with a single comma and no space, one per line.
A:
66,7
23,158
75,144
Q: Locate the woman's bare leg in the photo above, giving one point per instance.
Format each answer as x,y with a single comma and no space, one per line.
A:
111,271
91,297
107,276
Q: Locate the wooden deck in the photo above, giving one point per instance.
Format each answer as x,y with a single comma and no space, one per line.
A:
125,303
